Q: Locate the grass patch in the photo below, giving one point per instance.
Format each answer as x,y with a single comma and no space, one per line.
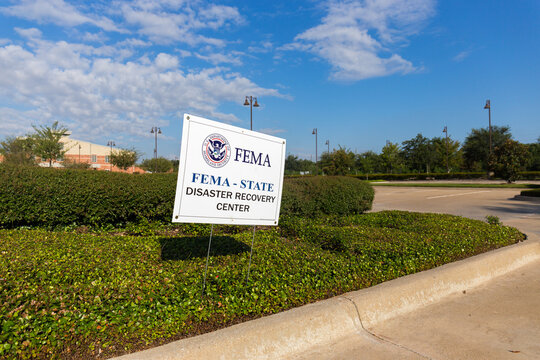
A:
452,185
72,295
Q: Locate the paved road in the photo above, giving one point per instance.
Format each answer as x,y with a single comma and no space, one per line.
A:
474,203
498,320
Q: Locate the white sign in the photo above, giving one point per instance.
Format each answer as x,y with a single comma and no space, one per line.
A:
228,175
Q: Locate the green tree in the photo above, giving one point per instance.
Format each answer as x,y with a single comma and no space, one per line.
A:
369,162
46,142
509,159
159,165
534,158
17,151
476,146
390,156
338,162
418,153
124,158
455,155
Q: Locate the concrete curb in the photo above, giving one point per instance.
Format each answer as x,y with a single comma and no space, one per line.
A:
326,321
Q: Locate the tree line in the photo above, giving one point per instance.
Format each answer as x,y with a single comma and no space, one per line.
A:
43,144
424,155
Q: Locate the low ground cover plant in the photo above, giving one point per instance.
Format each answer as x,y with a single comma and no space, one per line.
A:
71,295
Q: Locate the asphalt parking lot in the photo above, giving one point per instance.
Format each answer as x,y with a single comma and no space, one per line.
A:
474,203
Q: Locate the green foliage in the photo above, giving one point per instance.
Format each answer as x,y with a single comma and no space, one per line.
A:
17,151
419,153
79,296
34,196
316,195
421,176
391,157
509,159
46,142
533,192
70,164
476,146
159,165
534,159
124,158
338,162
493,220
368,162
294,165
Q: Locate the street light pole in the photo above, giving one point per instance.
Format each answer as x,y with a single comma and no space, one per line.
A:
488,106
316,152
155,130
111,144
446,131
328,143
251,102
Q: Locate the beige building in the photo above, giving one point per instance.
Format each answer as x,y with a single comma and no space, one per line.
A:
97,156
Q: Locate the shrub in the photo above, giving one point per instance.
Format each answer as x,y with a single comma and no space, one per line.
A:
316,195
533,192
45,197
33,196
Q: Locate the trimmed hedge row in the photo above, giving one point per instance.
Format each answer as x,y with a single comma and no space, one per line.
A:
328,195
422,176
33,196
533,192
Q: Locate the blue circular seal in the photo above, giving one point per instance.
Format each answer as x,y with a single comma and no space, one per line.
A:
216,150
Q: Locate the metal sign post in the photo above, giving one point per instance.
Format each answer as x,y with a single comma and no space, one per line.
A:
207,258
250,254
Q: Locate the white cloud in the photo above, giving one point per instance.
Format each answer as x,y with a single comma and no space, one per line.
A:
270,131
31,33
217,58
355,35
57,12
94,93
155,21
462,56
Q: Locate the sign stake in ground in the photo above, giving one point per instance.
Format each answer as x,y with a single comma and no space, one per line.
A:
207,258
228,175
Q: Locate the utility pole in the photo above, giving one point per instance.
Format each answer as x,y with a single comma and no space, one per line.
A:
447,166
155,130
316,151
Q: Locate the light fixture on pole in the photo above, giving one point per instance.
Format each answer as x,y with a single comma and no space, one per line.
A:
328,143
111,144
251,102
488,106
446,131
316,152
155,130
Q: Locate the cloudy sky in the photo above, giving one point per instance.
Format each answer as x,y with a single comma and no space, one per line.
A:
361,72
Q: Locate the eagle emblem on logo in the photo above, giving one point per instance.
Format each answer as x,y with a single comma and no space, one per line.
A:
216,150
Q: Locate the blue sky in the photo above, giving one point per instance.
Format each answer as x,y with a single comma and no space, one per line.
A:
361,72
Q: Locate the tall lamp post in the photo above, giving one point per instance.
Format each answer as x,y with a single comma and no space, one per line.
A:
155,130
328,143
251,102
316,152
446,131
111,144
488,106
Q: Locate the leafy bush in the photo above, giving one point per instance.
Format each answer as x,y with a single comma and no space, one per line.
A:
316,195
44,197
422,176
533,192
33,196
73,295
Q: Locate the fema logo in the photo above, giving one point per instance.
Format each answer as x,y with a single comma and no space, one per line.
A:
216,150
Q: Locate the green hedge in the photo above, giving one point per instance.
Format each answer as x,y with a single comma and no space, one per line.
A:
329,195
33,196
422,176
533,192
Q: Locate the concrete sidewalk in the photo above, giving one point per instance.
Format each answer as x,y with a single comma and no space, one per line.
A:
499,319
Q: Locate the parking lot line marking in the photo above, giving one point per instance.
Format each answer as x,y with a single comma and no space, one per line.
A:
460,194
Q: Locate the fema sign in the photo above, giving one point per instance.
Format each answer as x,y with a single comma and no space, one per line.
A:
228,175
